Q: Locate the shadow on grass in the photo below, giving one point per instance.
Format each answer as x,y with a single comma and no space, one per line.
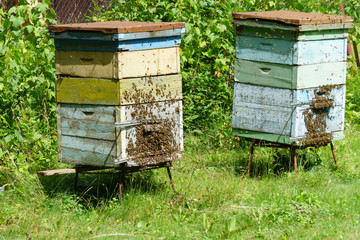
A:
266,161
96,188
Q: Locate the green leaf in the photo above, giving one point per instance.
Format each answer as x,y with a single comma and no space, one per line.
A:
232,226
221,27
17,21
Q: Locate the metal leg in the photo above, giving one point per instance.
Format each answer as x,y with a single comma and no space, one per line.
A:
333,153
171,181
251,158
121,183
76,180
293,157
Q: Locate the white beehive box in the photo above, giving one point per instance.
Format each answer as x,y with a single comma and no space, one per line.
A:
290,75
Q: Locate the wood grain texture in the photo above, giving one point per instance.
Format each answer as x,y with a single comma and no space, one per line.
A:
117,26
294,18
86,158
290,52
291,35
295,28
118,65
280,111
87,112
114,92
290,76
99,36
115,46
56,172
87,91
89,129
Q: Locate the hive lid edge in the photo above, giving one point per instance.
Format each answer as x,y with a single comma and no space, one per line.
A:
117,26
293,18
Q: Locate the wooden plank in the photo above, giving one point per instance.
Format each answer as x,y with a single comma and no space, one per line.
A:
262,95
150,89
291,35
257,117
86,64
290,76
86,112
99,36
282,26
294,18
118,65
290,52
58,118
115,46
90,145
117,26
57,172
265,74
88,129
87,158
87,91
125,91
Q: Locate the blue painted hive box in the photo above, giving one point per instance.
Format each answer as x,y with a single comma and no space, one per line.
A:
118,93
116,36
290,75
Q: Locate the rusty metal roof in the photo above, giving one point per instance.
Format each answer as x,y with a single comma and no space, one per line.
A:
117,26
294,18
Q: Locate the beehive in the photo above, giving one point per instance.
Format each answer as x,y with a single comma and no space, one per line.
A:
290,76
119,93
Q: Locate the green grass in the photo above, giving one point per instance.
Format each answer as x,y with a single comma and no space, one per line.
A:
214,199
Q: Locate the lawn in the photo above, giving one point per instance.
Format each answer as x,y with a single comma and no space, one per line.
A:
213,199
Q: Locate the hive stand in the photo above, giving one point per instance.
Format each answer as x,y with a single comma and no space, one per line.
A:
261,143
120,171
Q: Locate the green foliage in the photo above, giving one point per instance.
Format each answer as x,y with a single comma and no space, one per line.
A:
27,107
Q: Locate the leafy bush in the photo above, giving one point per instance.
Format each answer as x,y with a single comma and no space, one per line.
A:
27,74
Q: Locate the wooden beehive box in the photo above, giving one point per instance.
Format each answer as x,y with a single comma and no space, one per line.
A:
290,75
119,93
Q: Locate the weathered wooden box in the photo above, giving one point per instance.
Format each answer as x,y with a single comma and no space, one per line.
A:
119,93
288,116
290,75
108,136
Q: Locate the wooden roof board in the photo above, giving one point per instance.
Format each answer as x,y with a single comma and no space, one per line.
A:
117,26
294,18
